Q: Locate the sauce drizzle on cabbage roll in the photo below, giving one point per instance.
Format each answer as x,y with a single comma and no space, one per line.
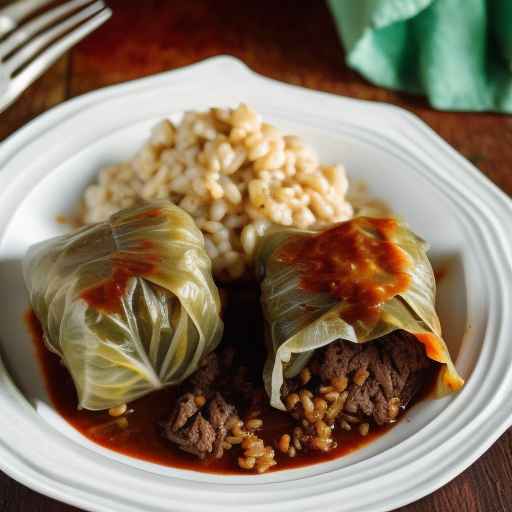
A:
364,269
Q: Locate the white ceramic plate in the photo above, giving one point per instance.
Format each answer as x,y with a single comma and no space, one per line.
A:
466,219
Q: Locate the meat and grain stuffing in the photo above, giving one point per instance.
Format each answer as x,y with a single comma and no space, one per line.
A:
346,386
204,423
384,375
200,429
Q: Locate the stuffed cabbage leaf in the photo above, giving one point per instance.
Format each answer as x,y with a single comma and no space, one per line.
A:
128,304
357,281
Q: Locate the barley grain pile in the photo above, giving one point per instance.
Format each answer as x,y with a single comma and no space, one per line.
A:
235,174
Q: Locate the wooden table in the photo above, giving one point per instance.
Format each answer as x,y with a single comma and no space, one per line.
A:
292,41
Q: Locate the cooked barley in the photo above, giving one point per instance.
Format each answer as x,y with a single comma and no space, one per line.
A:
323,445
246,462
394,407
284,443
332,396
254,424
200,400
360,376
255,451
226,167
340,383
291,400
122,422
345,425
305,375
364,428
118,411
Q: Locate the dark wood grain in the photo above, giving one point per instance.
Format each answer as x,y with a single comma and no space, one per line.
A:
294,42
43,94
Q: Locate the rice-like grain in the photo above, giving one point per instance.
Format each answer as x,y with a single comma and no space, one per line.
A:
340,383
308,404
320,404
305,375
322,429
122,422
246,462
200,400
254,452
252,442
360,376
256,455
331,396
291,400
394,407
284,443
345,425
118,411
321,444
261,468
254,424
225,166
364,428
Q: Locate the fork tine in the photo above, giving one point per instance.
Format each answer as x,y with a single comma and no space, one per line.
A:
23,55
18,11
28,30
51,54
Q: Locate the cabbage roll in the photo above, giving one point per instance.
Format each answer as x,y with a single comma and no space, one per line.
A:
357,281
128,304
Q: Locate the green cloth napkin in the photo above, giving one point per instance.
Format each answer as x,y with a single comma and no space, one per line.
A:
457,52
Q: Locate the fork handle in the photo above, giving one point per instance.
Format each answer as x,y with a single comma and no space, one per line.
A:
13,14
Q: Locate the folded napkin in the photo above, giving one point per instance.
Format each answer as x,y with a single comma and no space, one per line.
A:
457,52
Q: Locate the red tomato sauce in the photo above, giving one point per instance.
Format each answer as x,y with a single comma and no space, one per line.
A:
356,262
139,436
106,296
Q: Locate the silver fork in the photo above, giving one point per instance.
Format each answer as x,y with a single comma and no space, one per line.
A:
33,47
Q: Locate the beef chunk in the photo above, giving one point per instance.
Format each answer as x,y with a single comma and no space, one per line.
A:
336,359
412,386
395,363
195,433
219,411
369,400
201,430
197,438
184,410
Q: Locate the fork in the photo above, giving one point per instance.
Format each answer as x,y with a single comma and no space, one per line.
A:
28,50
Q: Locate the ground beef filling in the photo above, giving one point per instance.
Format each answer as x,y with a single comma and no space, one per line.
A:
381,376
200,429
345,386
200,419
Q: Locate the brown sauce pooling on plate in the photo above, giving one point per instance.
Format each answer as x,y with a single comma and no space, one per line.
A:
137,434
356,262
